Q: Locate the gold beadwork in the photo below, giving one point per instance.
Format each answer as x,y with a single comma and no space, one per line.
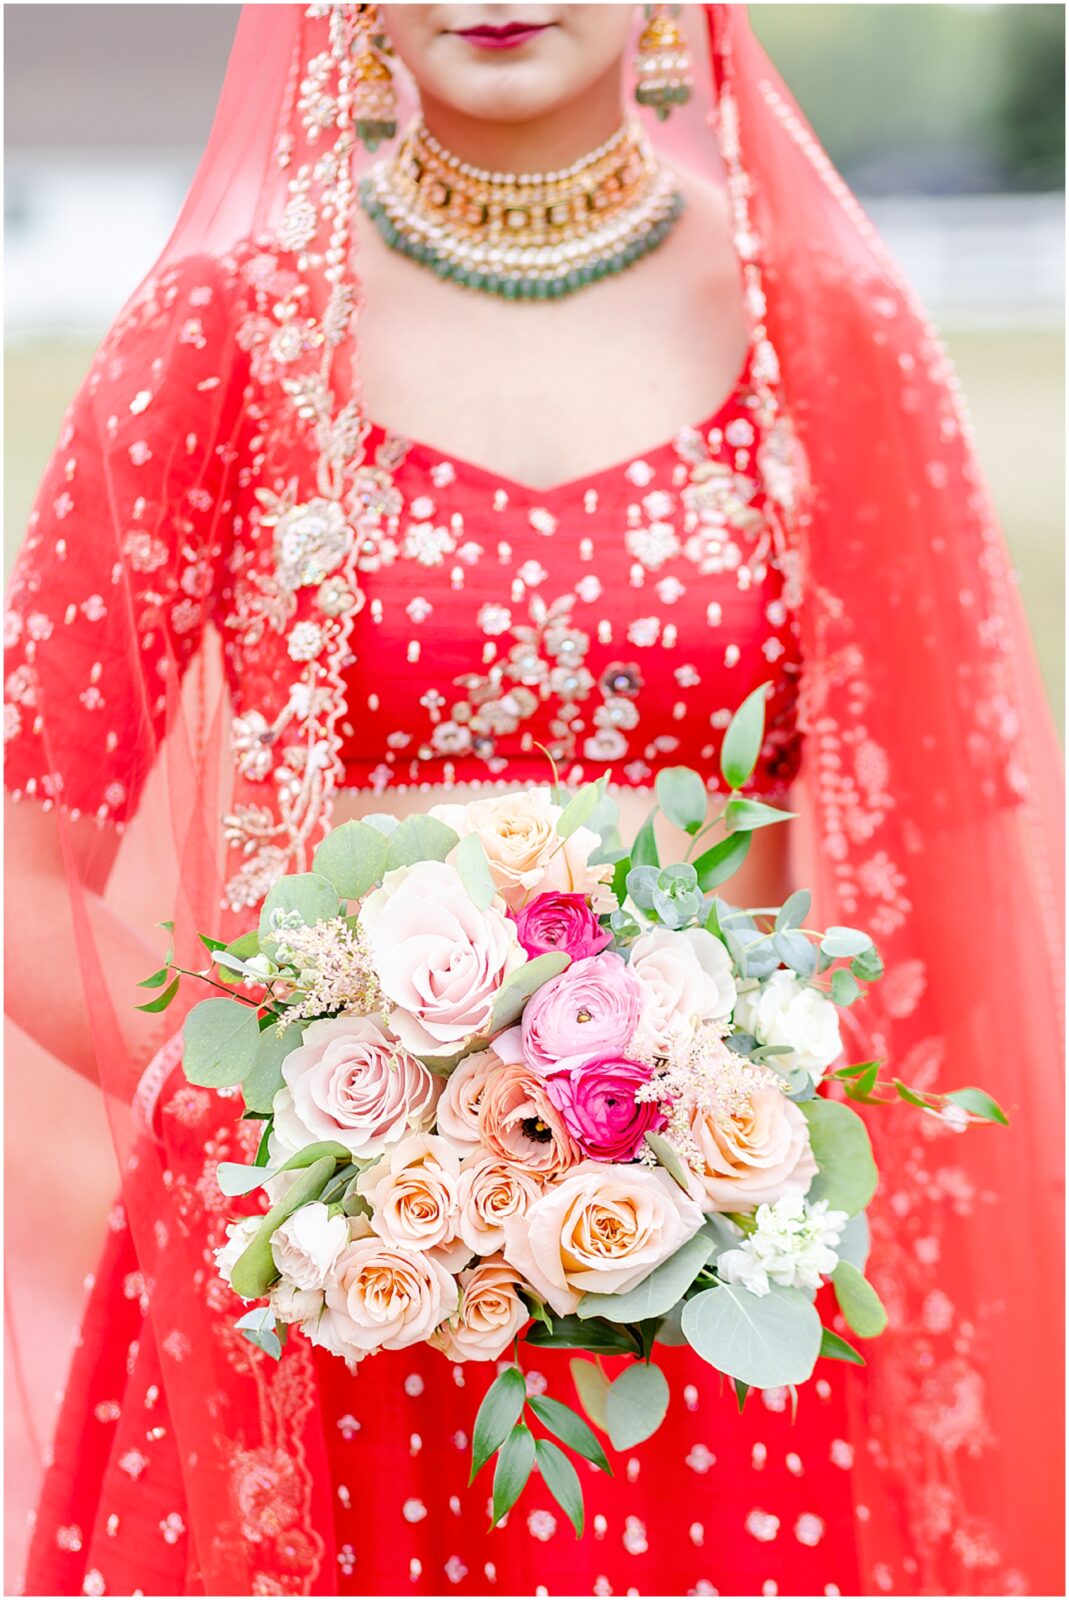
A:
662,63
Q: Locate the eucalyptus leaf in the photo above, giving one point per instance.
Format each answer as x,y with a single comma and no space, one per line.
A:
521,984
571,1333
858,1301
743,739
656,1294
683,797
763,1341
352,858
843,942
794,910
312,897
636,1404
844,987
220,1043
796,952
843,1152
562,1481
854,1242
500,1409
234,1178
580,808
669,1158
474,870
592,1387
514,1463
419,838
261,1085
258,1326
644,852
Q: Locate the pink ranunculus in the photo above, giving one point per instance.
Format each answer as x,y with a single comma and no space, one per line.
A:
590,1009
597,1101
561,922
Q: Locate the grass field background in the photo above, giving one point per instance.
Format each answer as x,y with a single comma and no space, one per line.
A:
1013,381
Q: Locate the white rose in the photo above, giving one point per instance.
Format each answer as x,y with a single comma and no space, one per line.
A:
307,1245
291,1304
782,1010
687,980
440,959
239,1235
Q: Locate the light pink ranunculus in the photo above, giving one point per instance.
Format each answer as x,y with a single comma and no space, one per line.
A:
489,1317
563,922
591,1008
526,854
761,1154
349,1081
687,981
519,1123
600,1229
440,959
414,1195
385,1297
598,1104
492,1189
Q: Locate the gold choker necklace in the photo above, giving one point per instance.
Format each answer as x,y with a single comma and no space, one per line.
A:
528,236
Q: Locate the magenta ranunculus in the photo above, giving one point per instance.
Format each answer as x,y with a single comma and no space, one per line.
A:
560,922
596,1100
590,1009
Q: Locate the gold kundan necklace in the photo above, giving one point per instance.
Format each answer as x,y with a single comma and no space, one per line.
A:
532,236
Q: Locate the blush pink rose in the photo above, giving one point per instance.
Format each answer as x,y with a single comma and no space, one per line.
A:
458,1108
492,1189
414,1197
600,1229
561,922
597,1102
519,1123
385,1297
440,959
489,1316
757,1156
590,1009
349,1081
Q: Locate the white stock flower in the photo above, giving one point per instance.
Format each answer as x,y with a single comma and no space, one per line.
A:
782,1010
307,1245
291,1304
239,1235
793,1246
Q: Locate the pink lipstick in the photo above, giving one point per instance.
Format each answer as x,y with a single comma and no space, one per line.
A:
507,37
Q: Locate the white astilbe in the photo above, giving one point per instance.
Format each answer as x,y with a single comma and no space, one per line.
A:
332,967
793,1245
702,1079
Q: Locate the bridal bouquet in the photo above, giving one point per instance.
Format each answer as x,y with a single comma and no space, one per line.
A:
518,1081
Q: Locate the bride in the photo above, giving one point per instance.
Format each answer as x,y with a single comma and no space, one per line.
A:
513,383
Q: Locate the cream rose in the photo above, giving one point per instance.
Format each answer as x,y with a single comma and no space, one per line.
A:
526,854
782,1010
307,1245
602,1229
291,1304
327,1330
349,1081
414,1195
439,958
758,1156
384,1297
519,1122
490,1191
239,1235
687,981
489,1316
458,1108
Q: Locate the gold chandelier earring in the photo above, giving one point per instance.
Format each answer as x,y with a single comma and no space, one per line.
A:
662,62
374,104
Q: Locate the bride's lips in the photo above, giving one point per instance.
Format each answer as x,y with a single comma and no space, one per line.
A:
509,36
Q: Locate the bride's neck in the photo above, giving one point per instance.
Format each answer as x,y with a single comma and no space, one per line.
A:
543,144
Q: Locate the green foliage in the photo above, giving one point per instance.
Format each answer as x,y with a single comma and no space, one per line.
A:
636,1404
521,984
570,1428
658,1292
592,1387
419,838
258,1326
221,1041
843,1152
978,1104
352,858
644,852
743,738
313,899
263,1082
762,1340
743,816
514,1463
572,1333
500,1410
474,870
858,1301
836,1349
716,865
562,1481
580,808
163,1000
255,1270
669,1158
682,797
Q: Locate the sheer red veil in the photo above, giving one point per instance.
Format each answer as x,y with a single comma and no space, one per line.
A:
930,792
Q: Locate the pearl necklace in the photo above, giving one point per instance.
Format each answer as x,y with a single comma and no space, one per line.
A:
532,236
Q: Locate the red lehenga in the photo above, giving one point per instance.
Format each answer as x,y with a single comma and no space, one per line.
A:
388,616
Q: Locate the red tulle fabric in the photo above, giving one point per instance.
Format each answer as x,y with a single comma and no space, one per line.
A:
197,670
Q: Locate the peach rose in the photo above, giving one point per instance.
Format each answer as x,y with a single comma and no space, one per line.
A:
458,1108
414,1195
761,1154
489,1316
491,1190
526,854
686,980
519,1123
349,1081
440,959
384,1297
600,1228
